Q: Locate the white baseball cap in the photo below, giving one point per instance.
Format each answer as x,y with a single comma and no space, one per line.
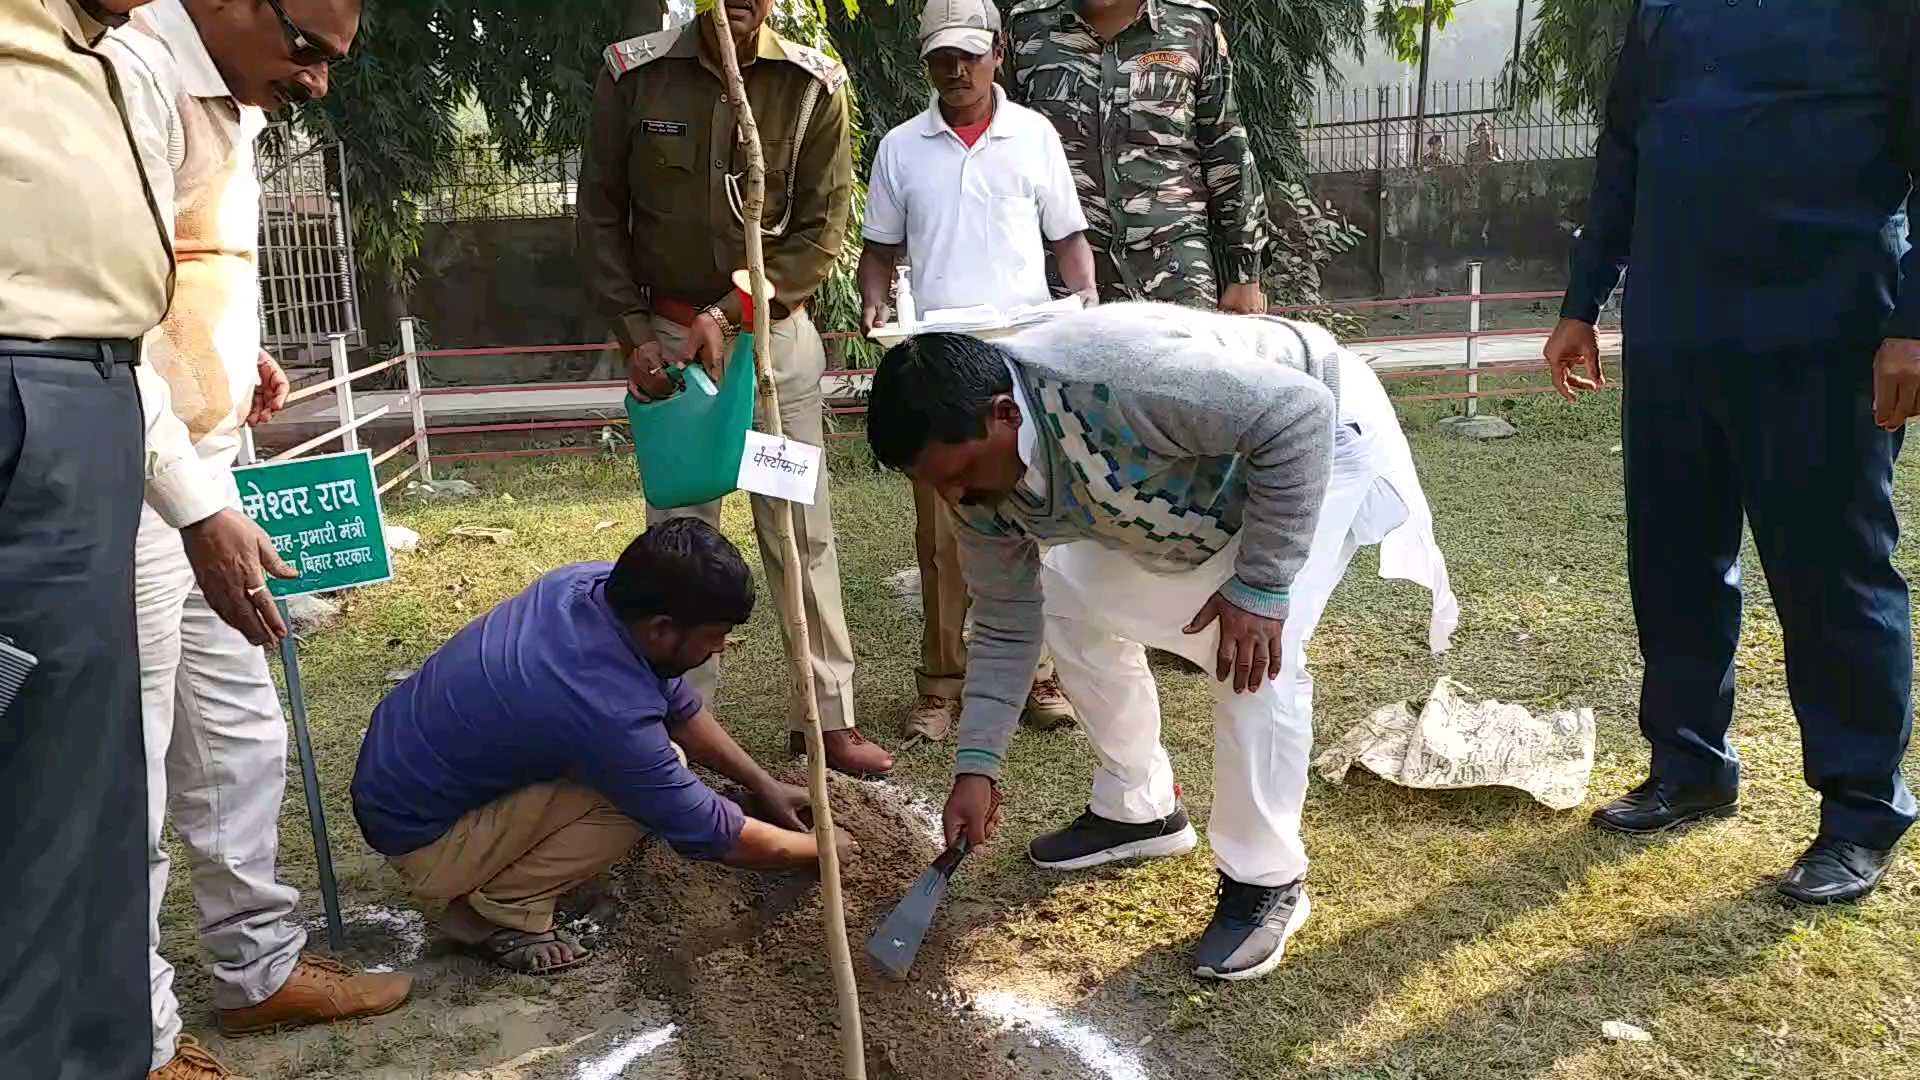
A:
967,25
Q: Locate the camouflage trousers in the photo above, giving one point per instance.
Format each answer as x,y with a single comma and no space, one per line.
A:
1177,273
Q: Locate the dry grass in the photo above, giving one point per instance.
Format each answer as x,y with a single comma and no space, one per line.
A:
1462,935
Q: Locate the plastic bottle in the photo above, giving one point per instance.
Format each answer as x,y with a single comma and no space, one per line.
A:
904,312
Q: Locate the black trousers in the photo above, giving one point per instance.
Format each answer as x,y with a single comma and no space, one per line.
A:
73,859
1786,440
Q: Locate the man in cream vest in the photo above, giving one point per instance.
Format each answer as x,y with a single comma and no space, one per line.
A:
198,74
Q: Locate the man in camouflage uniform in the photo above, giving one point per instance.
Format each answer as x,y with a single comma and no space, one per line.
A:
660,236
1141,92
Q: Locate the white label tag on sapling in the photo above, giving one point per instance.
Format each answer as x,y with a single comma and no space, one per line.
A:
780,468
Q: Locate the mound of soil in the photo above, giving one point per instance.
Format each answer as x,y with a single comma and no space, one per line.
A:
743,957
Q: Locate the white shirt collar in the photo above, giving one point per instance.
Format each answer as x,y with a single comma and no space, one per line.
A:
933,123
1028,439
171,23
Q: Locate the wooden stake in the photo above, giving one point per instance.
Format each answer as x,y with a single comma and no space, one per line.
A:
846,990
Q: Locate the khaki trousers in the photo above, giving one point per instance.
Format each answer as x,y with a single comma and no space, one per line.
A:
799,359
514,857
944,599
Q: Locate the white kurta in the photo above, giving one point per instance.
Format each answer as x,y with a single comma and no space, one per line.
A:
1104,608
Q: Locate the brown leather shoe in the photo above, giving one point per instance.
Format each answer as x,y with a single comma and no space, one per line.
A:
849,752
192,1062
1047,706
932,717
318,992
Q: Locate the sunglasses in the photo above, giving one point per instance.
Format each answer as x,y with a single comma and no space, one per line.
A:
308,51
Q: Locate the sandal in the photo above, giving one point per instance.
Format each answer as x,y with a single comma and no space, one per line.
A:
513,950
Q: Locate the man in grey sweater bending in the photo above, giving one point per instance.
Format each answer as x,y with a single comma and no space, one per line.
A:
1148,475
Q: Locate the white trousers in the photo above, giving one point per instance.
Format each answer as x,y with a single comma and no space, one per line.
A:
217,763
1104,608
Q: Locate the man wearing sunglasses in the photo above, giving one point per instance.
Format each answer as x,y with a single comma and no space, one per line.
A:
275,53
198,76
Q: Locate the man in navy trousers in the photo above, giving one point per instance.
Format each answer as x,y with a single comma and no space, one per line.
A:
1754,166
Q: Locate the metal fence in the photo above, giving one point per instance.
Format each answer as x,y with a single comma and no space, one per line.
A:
1461,358
307,278
1465,123
350,417
477,184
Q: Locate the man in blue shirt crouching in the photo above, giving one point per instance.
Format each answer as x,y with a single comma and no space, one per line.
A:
538,745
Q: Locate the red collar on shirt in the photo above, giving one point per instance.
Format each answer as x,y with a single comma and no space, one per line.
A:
970,133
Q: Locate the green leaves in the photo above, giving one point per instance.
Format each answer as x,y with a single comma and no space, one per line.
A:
1306,237
528,68
1570,56
1398,23
1281,52
880,45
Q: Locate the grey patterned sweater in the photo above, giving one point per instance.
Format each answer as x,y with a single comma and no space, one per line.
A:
1164,431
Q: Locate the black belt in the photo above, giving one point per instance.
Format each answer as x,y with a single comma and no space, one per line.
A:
102,353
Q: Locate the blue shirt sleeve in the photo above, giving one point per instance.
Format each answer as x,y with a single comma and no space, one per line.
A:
1600,252
682,700
630,760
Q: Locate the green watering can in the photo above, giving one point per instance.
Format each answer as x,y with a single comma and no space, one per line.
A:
687,448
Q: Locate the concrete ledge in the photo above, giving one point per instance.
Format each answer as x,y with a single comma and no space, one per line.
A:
1477,427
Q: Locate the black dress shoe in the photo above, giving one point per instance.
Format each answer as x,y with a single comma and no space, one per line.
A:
1656,806
1834,871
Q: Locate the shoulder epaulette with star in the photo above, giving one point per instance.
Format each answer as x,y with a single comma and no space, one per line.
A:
637,52
831,73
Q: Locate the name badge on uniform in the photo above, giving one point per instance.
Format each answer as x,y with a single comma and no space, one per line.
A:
1169,58
663,127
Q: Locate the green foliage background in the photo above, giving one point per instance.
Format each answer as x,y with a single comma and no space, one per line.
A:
529,65
1569,56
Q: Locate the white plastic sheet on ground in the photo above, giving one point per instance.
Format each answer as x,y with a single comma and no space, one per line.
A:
1458,742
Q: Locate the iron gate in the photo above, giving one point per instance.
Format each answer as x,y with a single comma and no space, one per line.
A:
307,277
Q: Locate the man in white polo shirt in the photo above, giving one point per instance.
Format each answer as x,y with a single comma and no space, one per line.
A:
972,192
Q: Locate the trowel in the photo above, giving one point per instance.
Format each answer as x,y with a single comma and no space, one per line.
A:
893,946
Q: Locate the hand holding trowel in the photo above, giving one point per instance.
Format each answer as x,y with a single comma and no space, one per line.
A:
894,945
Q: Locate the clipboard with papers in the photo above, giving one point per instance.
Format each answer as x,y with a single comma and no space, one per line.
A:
983,321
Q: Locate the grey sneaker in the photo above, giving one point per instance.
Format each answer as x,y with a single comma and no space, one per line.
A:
1248,933
1095,841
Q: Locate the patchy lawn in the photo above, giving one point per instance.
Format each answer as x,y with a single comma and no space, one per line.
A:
1456,935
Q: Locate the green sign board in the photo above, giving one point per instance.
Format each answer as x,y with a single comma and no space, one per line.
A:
324,516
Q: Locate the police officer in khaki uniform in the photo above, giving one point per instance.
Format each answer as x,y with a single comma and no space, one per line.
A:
660,235
88,270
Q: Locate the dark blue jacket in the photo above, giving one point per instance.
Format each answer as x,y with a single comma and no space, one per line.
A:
1753,166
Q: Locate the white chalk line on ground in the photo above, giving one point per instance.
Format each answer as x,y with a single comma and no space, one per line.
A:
1095,1050
406,929
615,1062
922,811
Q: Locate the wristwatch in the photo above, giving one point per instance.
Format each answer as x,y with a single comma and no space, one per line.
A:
727,326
